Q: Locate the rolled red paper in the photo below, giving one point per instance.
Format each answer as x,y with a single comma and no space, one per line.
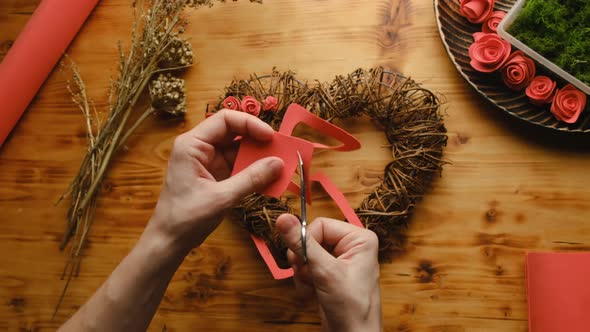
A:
35,52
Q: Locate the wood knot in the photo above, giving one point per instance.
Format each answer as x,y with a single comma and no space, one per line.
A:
395,17
409,309
506,311
107,187
462,138
222,268
17,304
491,215
403,327
202,294
425,272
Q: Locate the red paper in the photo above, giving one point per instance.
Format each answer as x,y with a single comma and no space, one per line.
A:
558,291
34,54
284,146
251,151
340,201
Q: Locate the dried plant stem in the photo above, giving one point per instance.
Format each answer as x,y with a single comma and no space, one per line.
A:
138,122
113,144
154,31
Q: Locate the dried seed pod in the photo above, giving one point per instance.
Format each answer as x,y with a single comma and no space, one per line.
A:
168,94
198,3
209,3
178,54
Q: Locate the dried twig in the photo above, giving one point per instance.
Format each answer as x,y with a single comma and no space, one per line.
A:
409,116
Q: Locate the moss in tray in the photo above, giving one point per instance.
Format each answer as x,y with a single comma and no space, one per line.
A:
559,30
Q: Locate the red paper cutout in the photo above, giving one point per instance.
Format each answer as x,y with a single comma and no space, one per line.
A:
558,291
282,146
34,54
285,146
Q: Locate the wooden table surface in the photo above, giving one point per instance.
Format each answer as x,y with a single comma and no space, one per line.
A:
510,188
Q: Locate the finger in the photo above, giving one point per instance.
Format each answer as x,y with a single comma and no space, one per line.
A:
219,168
300,269
251,179
304,290
230,153
343,238
224,125
289,229
329,231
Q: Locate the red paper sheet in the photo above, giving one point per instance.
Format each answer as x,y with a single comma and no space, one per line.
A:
284,146
558,292
34,54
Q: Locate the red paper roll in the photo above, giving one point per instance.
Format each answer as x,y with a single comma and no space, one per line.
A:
38,48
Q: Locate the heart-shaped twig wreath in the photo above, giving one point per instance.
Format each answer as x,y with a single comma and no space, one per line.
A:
409,115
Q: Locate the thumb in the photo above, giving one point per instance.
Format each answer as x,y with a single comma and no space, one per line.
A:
289,229
253,178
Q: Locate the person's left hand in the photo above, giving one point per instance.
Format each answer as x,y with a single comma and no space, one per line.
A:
197,188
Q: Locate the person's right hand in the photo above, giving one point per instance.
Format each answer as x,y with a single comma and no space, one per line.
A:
342,270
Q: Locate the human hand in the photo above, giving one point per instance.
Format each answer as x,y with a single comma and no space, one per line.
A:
342,270
197,188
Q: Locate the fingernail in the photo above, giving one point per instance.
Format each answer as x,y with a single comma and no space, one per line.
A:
275,166
285,227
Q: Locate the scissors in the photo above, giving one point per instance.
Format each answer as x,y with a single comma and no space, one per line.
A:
303,209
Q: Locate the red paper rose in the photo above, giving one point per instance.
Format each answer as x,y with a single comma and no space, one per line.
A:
518,71
476,11
231,103
489,52
250,105
491,25
568,103
540,91
270,103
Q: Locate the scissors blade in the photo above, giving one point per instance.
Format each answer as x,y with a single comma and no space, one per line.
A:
303,208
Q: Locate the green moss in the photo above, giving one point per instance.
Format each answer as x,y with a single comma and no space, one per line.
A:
560,31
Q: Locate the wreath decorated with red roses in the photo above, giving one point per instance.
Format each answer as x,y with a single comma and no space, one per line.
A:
490,53
408,114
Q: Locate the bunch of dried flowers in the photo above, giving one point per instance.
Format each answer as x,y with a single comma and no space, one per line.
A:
156,56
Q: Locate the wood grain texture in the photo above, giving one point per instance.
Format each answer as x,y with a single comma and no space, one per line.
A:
510,187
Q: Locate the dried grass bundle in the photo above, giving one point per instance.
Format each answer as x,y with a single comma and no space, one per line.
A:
156,47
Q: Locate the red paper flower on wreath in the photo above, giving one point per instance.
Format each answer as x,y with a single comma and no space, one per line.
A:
541,90
231,103
489,52
250,105
270,104
518,71
568,103
491,24
476,11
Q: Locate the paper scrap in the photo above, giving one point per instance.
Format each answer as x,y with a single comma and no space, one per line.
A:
285,146
558,291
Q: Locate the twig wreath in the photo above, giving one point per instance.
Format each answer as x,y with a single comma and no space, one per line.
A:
409,115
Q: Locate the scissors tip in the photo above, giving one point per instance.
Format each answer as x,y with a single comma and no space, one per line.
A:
299,156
